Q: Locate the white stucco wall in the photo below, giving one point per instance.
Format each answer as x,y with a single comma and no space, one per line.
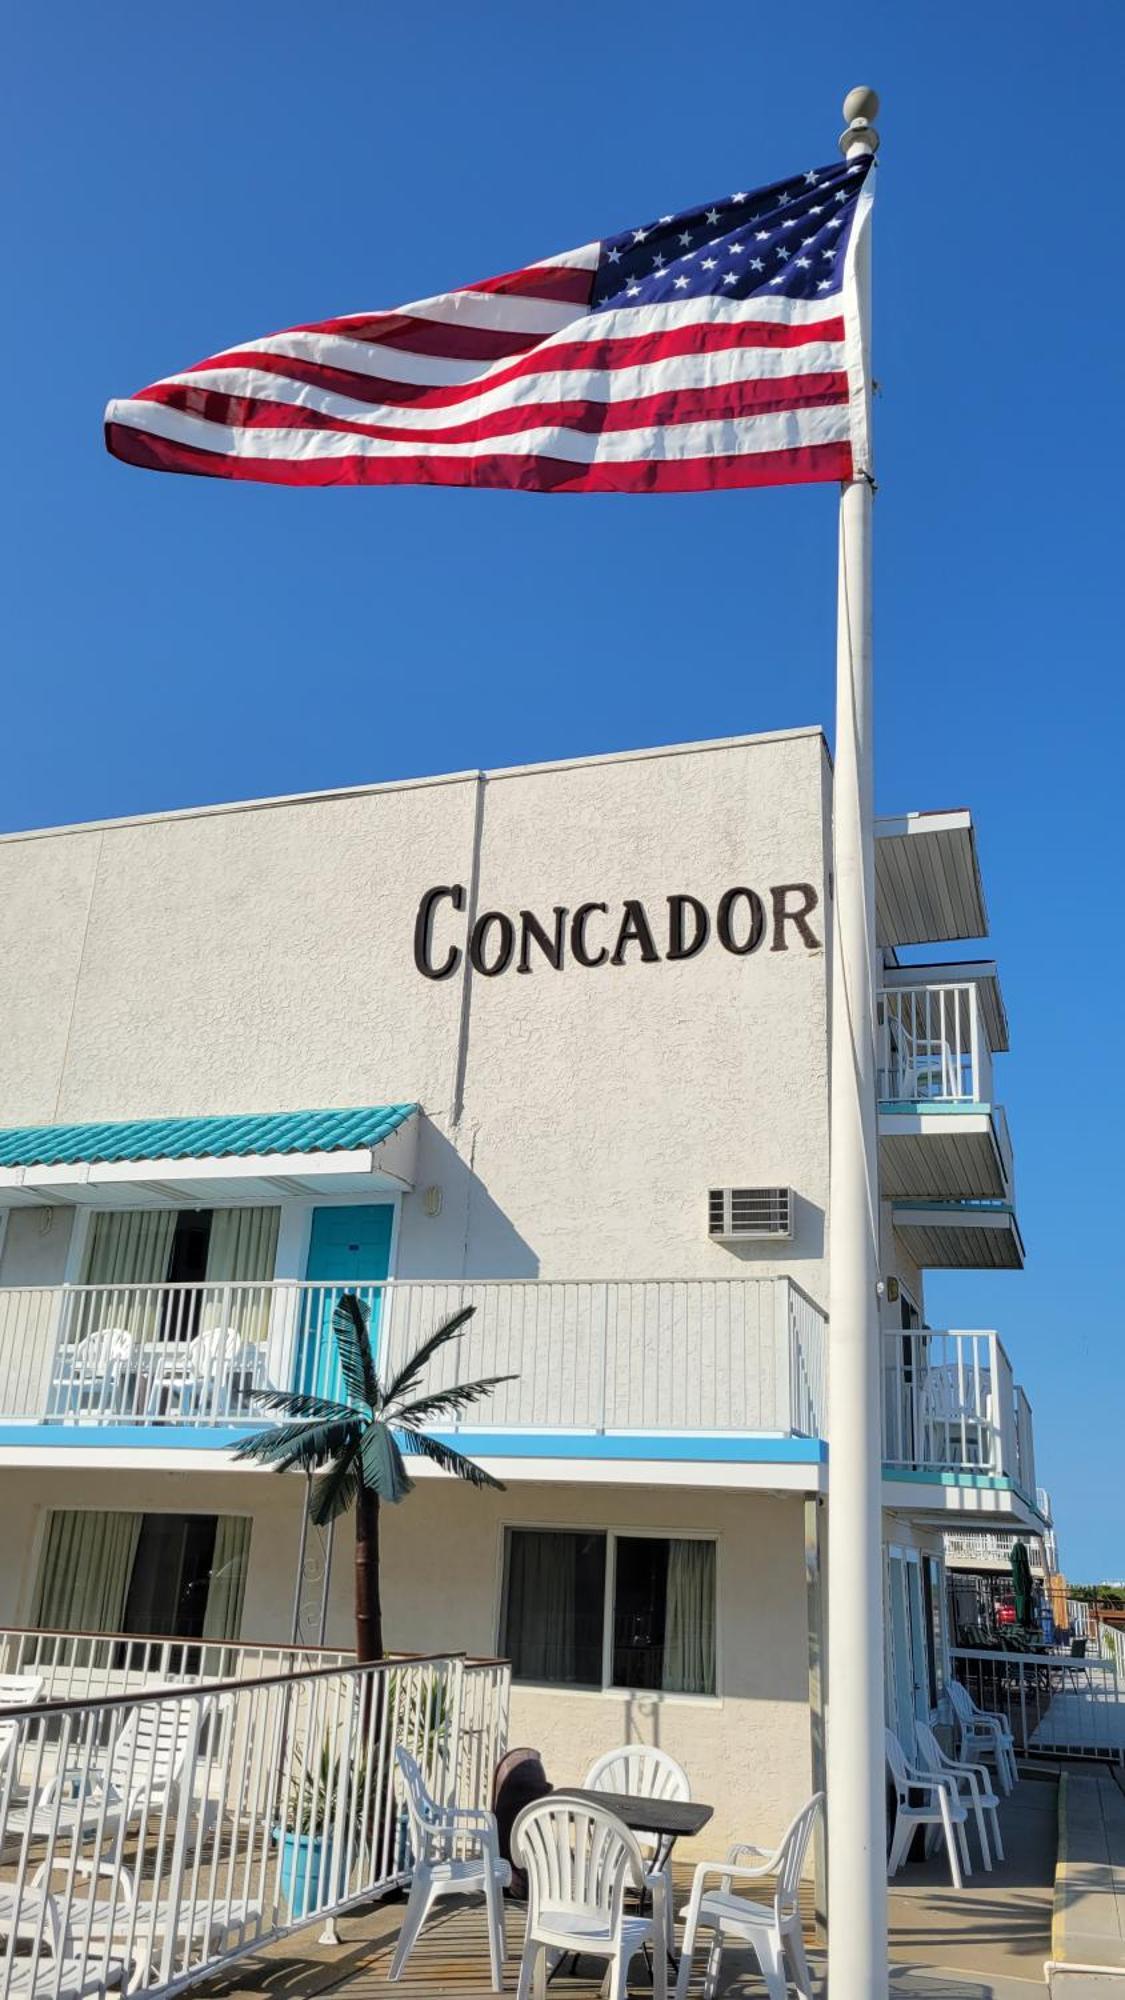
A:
261,959
747,1750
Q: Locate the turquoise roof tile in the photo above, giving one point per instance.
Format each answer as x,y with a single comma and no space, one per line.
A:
231,1137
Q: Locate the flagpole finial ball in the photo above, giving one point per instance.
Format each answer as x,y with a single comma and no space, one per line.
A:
863,102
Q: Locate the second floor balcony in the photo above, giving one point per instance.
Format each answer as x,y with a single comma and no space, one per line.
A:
731,1372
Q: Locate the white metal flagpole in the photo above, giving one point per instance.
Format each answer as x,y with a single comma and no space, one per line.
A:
857,1879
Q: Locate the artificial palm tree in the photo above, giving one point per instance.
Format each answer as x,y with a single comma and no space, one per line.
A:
356,1449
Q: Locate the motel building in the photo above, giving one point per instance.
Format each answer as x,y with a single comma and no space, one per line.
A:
552,1042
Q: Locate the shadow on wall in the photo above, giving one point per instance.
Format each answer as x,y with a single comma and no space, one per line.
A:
471,1236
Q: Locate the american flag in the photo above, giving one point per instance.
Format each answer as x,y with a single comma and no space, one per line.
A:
719,347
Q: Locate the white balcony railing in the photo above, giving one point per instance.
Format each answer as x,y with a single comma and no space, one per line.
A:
949,1402
699,1354
933,1048
1025,1445
152,1839
992,1550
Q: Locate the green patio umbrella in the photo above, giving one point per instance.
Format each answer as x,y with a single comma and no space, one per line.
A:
1021,1582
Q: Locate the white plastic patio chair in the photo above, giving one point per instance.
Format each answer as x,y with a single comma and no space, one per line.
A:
63,1965
939,1807
974,1778
772,1930
983,1736
456,1850
205,1379
144,1768
580,1861
648,1773
88,1372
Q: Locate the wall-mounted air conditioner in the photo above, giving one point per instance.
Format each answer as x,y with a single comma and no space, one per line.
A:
750,1215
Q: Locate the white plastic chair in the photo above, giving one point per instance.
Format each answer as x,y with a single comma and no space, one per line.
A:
88,1371
62,1966
580,1861
648,1773
983,1736
144,1767
773,1930
938,1807
456,1850
975,1779
212,1361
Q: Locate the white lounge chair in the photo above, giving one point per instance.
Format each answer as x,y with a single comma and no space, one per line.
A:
580,1861
983,1736
649,1773
938,1807
144,1767
62,1965
974,1778
773,1930
456,1851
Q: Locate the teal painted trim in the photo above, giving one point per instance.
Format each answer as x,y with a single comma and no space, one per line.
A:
955,1207
127,1437
681,1448
668,1448
979,1482
233,1137
973,1107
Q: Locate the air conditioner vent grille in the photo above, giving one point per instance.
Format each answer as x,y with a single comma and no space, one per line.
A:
741,1215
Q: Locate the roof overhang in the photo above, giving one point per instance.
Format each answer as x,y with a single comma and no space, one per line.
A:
958,1499
927,879
944,1152
209,1178
958,1235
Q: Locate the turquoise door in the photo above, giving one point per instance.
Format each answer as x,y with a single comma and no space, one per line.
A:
349,1250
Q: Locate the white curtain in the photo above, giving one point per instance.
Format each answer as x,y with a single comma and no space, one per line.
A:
223,1616
84,1571
128,1247
541,1606
243,1250
689,1623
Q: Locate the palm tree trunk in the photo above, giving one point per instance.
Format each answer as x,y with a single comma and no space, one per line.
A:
368,1606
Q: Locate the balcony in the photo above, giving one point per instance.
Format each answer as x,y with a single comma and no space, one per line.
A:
730,1370
953,1414
992,1551
944,1149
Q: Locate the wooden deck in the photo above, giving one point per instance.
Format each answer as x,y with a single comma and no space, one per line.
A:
449,1962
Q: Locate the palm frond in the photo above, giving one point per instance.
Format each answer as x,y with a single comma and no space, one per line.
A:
350,1327
334,1491
381,1461
412,1371
425,1446
308,1446
446,1402
293,1403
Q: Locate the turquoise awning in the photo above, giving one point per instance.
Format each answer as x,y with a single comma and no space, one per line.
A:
235,1136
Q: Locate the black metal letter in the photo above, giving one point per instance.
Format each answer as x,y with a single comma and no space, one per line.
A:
506,932
532,930
423,928
678,946
635,929
578,924
724,925
782,916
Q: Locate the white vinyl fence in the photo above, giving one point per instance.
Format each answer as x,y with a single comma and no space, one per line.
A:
154,1838
1057,1706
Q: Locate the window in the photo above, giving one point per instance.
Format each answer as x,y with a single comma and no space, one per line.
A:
597,1609
935,1655
163,1575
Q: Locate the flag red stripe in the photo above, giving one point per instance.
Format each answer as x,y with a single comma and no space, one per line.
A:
805,463
567,284
705,337
670,406
416,334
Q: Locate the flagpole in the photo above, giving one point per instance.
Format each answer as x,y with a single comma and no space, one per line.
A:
856,1804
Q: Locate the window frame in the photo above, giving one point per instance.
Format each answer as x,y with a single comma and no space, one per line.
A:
612,1535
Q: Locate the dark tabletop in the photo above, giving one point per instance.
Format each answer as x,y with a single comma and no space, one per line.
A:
672,1819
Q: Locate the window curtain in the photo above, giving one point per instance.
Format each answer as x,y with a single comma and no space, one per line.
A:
242,1250
541,1606
84,1571
689,1624
223,1616
128,1247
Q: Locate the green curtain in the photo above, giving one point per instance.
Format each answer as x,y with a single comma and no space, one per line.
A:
128,1247
242,1249
689,1622
84,1571
223,1616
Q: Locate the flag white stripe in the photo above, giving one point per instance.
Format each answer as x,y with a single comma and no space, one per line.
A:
780,431
397,364
585,258
563,385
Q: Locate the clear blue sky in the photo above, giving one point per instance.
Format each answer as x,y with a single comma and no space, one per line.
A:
177,181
